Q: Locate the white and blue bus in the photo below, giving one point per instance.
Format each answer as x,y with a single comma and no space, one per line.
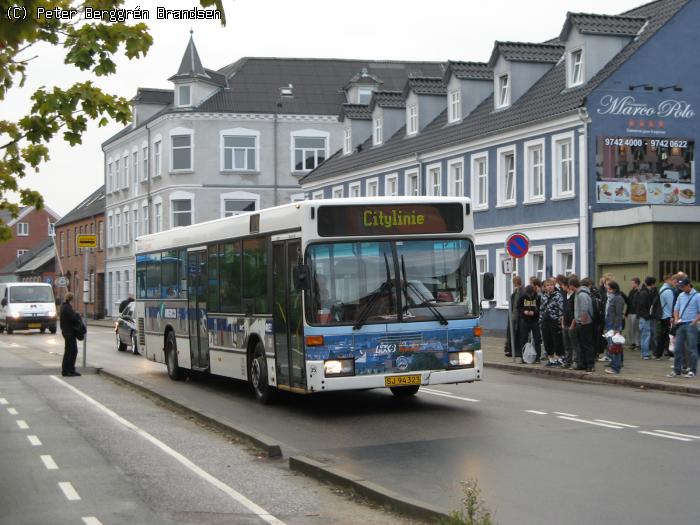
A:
318,296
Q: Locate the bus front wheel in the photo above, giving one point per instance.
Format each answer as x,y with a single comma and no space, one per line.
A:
174,371
404,391
258,376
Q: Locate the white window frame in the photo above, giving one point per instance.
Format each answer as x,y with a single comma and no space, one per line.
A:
575,75
365,91
408,176
501,153
157,156
182,101
22,229
306,133
179,132
117,228
557,251
52,229
430,188
297,197
238,132
503,91
377,131
412,119
144,218
317,195
144,161
355,189
454,103
126,160
157,214
482,254
389,181
135,166
374,184
181,196
338,192
529,266
110,181
110,231
238,196
452,189
126,220
556,141
477,205
21,251
531,168
347,141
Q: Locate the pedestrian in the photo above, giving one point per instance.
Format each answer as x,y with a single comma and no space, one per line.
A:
126,302
632,320
551,310
528,317
69,320
646,323
667,297
614,315
686,316
571,350
583,317
600,292
513,309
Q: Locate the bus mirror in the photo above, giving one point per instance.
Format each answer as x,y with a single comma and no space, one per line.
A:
300,273
488,287
4,302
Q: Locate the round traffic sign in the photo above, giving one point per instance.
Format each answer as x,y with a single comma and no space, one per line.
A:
517,245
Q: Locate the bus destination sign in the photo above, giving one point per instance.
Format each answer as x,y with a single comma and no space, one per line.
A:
399,219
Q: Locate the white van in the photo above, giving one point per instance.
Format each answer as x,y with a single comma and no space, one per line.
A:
24,306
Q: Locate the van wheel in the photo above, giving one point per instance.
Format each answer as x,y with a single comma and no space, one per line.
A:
174,371
404,391
257,373
120,346
42,329
52,329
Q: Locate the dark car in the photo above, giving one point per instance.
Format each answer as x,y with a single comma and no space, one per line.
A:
125,329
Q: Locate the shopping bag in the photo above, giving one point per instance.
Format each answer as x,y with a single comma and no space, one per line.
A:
529,353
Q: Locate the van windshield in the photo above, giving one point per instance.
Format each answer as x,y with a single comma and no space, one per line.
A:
31,294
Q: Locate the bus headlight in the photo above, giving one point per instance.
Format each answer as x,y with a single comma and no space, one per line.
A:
15,315
459,359
339,367
52,314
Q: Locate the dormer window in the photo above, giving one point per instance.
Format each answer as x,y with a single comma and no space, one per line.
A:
183,95
503,91
576,68
412,119
455,106
377,135
364,95
347,141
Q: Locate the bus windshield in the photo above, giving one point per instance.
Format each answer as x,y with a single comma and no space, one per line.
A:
391,281
31,294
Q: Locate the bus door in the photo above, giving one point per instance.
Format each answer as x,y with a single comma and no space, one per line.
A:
197,308
287,315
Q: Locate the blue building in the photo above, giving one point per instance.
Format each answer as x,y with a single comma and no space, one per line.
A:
585,143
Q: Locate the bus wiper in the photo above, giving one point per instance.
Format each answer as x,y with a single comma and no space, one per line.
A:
425,301
385,287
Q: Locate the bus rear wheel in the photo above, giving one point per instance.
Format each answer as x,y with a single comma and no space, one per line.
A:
404,391
264,393
174,371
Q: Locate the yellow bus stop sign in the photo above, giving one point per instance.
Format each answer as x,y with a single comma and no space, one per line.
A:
87,241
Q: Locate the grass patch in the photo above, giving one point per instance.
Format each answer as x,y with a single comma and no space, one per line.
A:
473,511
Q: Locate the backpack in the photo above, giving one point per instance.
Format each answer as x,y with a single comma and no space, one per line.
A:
79,329
656,310
598,307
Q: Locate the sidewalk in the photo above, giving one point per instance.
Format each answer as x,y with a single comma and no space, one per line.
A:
636,372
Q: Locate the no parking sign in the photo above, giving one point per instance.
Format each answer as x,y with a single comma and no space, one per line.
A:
517,245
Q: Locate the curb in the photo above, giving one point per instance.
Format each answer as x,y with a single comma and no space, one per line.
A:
269,446
610,380
376,493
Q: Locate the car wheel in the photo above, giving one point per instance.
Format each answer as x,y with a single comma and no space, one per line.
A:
404,391
42,329
174,371
52,329
120,346
257,373
134,343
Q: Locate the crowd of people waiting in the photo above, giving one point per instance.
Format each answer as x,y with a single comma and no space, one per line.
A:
581,324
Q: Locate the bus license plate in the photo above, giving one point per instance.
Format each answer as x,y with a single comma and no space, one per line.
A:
402,380
34,325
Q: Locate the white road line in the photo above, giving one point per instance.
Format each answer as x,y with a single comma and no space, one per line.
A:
49,463
565,414
664,436
91,520
12,411
34,441
3,401
447,394
578,420
68,490
691,436
253,507
538,412
21,423
616,423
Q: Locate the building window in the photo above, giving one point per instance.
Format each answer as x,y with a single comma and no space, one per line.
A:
412,183
158,226
239,149
563,255
117,240
183,95
110,231
135,222
355,189
144,163
181,211
22,229
480,181
21,252
309,152
563,181
110,183
534,185
62,244
536,263
412,119
347,140
125,171
503,91
455,106
506,178
482,266
317,195
157,163
391,185
377,135
117,175
236,207
504,281
52,229
337,192
144,218
101,235
126,227
364,95
135,166
456,176
434,181
181,152
372,186
576,67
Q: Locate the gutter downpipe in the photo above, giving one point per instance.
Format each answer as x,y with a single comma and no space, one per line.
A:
586,253
274,155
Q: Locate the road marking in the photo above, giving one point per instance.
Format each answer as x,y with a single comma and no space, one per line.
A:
49,463
3,401
664,436
68,491
578,420
34,441
237,496
565,414
616,423
21,423
447,394
691,436
12,411
91,520
538,412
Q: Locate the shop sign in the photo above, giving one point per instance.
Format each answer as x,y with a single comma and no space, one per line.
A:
627,106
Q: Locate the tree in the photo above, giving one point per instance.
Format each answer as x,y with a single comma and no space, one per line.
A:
90,45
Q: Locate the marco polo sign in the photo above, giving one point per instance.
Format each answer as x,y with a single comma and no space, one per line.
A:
627,106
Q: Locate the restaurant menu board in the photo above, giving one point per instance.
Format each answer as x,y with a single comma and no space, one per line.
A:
634,170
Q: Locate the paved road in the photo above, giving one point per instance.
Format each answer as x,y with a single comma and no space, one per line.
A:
543,451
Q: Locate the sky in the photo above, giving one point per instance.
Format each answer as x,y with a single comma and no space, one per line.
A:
437,30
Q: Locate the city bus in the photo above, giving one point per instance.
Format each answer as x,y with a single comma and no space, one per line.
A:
318,296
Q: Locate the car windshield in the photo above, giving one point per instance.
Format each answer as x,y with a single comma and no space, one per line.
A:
390,281
31,294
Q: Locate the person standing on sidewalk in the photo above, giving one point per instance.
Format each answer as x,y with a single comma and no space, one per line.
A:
632,320
572,353
583,317
551,309
646,323
614,314
513,305
529,312
686,316
667,297
69,320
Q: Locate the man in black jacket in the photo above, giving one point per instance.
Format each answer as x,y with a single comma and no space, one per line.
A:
69,319
647,325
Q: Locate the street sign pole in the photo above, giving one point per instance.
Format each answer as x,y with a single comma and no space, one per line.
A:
517,246
86,293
